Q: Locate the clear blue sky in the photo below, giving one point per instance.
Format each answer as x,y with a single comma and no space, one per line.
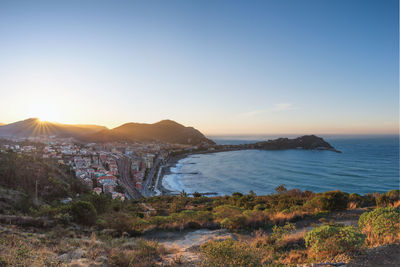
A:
224,67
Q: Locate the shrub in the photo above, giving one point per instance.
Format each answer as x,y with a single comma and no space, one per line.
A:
142,254
234,223
278,232
355,201
228,253
382,226
122,222
196,194
388,198
100,202
329,201
83,212
328,241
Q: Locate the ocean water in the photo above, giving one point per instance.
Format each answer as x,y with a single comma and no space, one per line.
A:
367,164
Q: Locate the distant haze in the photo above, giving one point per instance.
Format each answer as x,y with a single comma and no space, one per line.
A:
223,67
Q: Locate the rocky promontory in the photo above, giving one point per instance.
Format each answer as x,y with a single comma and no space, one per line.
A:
309,142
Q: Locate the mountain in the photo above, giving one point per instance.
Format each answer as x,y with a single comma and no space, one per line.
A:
34,127
165,131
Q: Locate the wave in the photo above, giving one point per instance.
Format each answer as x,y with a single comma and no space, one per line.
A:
360,169
173,183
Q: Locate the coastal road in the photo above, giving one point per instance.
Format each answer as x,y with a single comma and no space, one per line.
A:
147,183
124,168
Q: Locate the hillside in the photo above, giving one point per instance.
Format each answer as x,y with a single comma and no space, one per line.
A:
165,131
34,127
21,172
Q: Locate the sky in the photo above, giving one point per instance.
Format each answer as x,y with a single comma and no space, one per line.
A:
223,67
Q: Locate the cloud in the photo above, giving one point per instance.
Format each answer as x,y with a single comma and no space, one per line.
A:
283,107
279,107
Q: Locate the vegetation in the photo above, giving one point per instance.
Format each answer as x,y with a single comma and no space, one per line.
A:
26,173
61,245
268,221
229,253
382,226
328,241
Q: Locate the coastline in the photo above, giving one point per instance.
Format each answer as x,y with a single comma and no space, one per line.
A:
304,142
166,170
174,160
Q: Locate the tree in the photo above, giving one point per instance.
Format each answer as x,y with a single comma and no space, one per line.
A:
83,212
280,189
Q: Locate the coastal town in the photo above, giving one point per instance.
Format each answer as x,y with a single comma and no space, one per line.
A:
127,170
123,170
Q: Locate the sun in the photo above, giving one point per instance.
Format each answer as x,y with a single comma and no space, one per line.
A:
44,111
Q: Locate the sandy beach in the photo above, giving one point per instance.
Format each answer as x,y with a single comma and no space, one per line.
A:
166,170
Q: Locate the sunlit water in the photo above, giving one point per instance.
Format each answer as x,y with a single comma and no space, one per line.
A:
366,165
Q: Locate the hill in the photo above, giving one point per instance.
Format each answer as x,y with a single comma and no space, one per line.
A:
303,142
34,127
165,131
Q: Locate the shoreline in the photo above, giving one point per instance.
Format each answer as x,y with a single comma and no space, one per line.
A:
166,170
173,161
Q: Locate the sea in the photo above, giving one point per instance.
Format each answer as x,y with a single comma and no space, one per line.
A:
367,164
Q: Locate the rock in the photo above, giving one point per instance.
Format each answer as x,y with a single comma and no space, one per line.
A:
129,245
77,253
101,259
80,263
125,234
64,257
110,232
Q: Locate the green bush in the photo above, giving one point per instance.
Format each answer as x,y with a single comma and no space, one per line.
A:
329,201
123,222
382,225
278,232
357,200
328,241
228,253
234,223
388,198
83,212
101,203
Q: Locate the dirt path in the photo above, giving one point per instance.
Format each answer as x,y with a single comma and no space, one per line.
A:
185,245
388,256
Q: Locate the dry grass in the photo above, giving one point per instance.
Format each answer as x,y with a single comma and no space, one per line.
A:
396,204
281,218
352,205
295,238
19,248
145,253
25,250
374,240
294,257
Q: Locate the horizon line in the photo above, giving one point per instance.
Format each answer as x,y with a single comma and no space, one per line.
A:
227,134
